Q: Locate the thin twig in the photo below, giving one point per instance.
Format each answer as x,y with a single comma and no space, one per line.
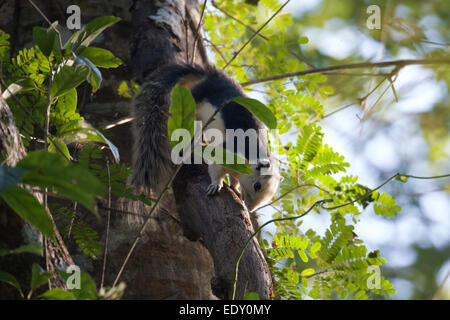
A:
186,34
75,204
108,220
380,53
291,190
216,48
118,123
298,57
339,109
254,34
368,112
238,21
46,135
358,74
48,21
200,45
396,176
197,32
358,101
435,43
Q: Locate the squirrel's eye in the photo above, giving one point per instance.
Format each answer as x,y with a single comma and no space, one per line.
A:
257,186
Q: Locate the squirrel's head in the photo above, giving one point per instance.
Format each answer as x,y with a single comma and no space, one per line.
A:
259,187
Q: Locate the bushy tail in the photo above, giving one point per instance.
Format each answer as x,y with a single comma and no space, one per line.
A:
152,164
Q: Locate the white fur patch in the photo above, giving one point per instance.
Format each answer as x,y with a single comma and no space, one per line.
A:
204,111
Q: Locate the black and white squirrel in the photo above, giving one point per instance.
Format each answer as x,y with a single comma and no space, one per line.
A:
210,88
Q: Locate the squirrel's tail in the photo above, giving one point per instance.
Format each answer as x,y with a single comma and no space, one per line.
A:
152,163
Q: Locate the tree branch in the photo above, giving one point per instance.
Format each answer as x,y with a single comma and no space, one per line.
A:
397,63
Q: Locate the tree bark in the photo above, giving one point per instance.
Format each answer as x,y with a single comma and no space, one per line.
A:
165,33
14,231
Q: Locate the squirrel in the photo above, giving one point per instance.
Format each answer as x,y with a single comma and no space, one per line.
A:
210,88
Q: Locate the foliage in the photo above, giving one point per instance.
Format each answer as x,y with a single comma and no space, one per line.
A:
41,90
333,266
39,277
302,263
42,84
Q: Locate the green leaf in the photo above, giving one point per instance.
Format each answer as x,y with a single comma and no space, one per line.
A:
303,40
38,277
45,39
58,294
402,178
10,279
88,289
124,90
307,272
57,146
68,102
360,295
29,248
303,255
84,132
315,247
74,181
239,164
4,43
252,296
128,89
102,58
182,110
10,176
83,38
259,110
96,76
112,147
304,243
67,79
29,208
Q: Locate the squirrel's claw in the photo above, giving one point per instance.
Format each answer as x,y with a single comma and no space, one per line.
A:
212,189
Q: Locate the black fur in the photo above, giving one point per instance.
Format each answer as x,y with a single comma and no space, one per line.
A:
152,161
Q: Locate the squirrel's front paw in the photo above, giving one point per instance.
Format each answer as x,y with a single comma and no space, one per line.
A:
212,189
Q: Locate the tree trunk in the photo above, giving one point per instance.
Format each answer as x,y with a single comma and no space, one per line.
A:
189,252
14,231
165,32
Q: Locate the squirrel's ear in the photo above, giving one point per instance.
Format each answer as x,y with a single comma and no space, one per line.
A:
281,178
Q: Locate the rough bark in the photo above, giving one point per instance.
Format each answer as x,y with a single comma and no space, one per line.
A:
13,231
224,226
